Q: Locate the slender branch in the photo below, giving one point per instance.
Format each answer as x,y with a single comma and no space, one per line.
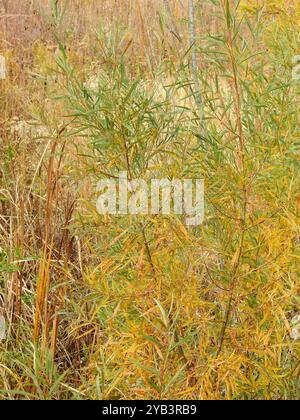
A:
148,251
234,278
194,66
241,160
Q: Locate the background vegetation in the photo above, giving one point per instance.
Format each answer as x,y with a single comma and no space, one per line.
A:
144,307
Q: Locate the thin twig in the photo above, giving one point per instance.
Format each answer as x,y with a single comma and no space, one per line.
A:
194,67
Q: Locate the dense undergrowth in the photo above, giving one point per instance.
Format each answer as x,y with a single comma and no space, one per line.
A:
135,307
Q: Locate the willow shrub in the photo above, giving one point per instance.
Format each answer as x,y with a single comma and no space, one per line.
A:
202,312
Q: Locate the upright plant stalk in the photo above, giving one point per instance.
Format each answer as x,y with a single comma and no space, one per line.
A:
5,7
43,278
194,67
19,239
241,164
